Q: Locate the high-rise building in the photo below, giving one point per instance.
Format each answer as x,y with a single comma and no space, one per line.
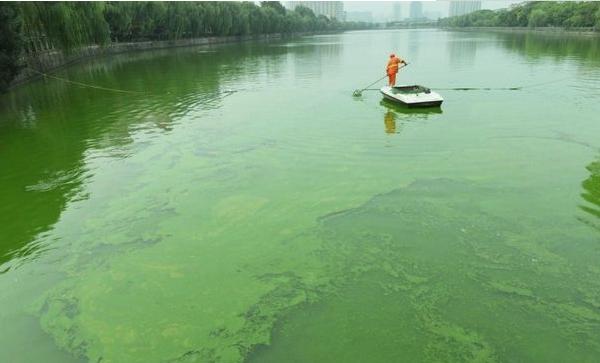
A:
331,9
397,11
432,15
463,7
416,10
364,16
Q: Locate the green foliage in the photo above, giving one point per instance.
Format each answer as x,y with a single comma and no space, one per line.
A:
565,14
275,5
119,17
68,25
72,24
36,26
11,43
538,18
305,12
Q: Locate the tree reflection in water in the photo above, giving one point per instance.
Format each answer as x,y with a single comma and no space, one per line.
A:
49,127
591,193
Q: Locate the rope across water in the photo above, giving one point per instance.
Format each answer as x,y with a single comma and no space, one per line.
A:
225,93
85,84
516,88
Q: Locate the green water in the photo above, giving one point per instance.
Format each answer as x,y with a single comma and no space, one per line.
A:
246,208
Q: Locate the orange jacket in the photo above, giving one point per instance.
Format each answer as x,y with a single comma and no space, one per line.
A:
393,65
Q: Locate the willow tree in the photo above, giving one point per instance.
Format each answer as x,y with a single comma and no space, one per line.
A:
178,20
11,43
119,17
67,25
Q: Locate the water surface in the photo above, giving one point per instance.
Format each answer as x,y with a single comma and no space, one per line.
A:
240,205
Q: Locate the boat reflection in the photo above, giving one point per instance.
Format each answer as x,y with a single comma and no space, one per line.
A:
396,112
404,110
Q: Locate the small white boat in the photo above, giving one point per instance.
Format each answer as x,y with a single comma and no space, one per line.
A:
412,96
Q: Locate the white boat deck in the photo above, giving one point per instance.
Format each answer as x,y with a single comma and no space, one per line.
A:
412,95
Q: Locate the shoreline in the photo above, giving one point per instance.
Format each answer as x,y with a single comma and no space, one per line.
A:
51,60
539,30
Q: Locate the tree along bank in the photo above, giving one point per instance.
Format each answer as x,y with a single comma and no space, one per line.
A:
535,14
545,30
30,30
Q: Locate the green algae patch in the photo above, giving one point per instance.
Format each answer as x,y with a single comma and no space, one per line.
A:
434,271
413,245
445,265
438,265
137,311
510,289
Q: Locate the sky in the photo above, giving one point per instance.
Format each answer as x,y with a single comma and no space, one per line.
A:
383,10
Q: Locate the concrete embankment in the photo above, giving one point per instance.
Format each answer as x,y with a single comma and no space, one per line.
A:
45,61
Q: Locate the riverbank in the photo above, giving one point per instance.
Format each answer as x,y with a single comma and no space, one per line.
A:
47,61
546,30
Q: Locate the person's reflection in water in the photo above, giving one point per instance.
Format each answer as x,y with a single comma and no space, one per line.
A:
389,119
396,116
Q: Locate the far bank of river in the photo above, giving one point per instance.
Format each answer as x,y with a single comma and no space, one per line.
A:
545,30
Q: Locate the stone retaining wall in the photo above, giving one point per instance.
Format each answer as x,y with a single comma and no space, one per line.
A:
48,60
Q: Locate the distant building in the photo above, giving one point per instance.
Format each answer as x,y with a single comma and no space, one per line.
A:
397,11
416,10
364,16
331,9
463,7
433,15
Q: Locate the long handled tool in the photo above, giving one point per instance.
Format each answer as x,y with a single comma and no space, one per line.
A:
358,92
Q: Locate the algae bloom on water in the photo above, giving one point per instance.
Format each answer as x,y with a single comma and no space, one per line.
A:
290,221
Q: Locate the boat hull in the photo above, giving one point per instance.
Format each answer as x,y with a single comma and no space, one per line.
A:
412,96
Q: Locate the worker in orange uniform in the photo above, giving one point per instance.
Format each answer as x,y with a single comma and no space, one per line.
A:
392,69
